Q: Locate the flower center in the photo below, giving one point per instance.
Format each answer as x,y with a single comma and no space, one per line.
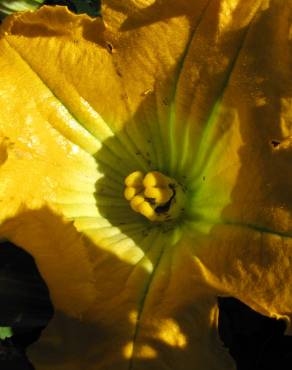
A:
154,195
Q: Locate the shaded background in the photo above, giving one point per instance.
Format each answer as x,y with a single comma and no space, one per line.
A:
254,341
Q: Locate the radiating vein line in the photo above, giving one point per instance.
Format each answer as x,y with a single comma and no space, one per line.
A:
210,120
259,228
142,302
141,160
146,242
253,227
119,237
171,118
130,155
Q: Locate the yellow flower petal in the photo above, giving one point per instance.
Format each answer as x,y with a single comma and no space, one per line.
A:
249,263
176,327
138,93
244,178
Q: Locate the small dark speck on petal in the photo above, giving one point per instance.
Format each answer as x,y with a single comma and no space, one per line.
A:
110,47
275,143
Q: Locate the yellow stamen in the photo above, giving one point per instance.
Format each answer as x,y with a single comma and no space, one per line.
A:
161,195
136,201
135,179
146,210
130,192
155,196
156,179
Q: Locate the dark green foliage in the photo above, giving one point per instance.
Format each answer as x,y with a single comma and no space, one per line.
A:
90,7
25,305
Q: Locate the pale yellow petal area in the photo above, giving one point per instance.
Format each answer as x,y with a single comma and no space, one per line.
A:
173,327
253,265
34,155
107,77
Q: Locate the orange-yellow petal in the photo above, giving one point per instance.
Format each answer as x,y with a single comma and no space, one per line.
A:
249,263
114,97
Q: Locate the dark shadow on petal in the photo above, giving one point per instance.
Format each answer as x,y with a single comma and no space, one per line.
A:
159,11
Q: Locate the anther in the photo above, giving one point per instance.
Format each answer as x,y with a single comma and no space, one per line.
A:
136,201
146,210
135,179
130,192
154,195
161,195
156,178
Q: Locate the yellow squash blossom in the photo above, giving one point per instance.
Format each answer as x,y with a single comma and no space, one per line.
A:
146,165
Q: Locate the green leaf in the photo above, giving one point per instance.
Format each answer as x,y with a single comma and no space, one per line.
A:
10,6
90,7
5,332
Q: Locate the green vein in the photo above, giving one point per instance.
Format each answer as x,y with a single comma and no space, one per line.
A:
258,228
215,222
143,299
172,113
165,136
206,134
